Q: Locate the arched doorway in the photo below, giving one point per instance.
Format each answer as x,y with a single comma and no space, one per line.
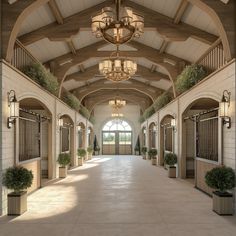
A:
90,136
166,137
143,136
201,140
152,135
81,135
34,140
117,138
67,137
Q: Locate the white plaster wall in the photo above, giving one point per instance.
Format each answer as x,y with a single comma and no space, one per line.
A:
102,114
26,88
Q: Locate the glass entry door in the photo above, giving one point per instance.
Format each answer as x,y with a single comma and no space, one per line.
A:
117,138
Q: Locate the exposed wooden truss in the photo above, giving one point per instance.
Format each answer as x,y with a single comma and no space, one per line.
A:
131,96
163,24
89,73
132,84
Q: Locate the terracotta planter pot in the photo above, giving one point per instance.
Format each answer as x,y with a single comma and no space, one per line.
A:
223,203
17,203
62,172
80,161
154,161
172,172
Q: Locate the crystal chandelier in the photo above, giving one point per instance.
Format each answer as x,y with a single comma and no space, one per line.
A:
119,26
117,103
117,68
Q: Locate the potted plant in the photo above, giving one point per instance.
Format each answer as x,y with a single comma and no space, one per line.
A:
64,161
81,155
171,160
152,153
144,151
90,152
222,179
18,179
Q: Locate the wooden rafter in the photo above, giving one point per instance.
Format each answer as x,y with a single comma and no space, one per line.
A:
163,24
56,12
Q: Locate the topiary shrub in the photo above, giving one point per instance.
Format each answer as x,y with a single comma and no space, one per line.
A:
152,153
190,76
71,101
144,150
40,75
170,159
17,178
162,100
89,149
64,159
221,178
81,152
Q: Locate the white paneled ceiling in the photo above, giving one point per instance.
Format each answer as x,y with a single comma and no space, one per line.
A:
165,7
71,7
45,49
38,18
111,47
196,17
151,38
83,39
193,47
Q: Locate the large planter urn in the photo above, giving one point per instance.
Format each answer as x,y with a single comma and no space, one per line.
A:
17,203
223,203
80,161
62,172
172,172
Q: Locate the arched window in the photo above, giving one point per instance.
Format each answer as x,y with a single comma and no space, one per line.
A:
113,125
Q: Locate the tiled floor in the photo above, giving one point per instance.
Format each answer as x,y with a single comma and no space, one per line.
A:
118,196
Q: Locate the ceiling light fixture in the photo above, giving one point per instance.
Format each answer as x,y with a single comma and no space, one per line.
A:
119,26
117,103
117,68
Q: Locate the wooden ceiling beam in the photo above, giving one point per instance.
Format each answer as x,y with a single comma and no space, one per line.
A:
150,91
163,24
56,12
180,11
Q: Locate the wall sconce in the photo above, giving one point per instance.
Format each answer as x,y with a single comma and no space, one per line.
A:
224,107
79,128
89,131
144,131
173,123
60,121
13,104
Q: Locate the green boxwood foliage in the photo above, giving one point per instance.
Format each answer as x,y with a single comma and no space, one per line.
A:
84,112
64,159
92,119
162,100
17,178
89,149
170,159
71,100
144,150
221,178
81,152
40,75
152,153
141,119
148,112
190,76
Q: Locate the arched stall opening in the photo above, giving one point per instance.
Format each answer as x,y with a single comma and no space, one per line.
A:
117,138
152,135
67,144
34,140
201,141
143,136
167,136
90,136
81,132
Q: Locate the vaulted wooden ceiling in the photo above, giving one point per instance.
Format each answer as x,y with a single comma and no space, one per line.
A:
177,32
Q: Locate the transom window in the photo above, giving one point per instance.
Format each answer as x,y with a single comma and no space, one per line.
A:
114,125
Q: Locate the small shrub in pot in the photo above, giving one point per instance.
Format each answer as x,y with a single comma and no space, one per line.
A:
63,160
18,179
144,151
81,152
152,153
89,151
221,179
170,160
